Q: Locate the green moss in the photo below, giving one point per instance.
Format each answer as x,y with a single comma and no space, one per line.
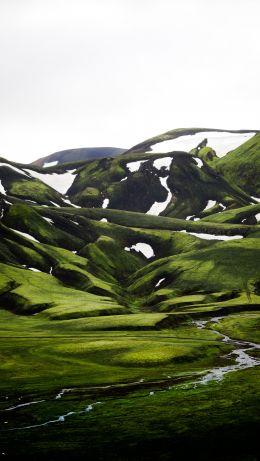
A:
144,221
242,166
33,189
25,219
222,266
207,154
35,292
236,215
244,326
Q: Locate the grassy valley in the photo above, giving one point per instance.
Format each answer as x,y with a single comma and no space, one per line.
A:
129,302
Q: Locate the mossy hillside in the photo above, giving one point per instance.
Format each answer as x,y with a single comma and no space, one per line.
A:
168,299
104,273
11,172
213,304
242,166
85,308
97,172
110,260
243,326
143,221
138,192
33,292
90,196
207,154
102,173
222,266
102,179
20,250
27,220
107,260
60,255
71,275
190,185
14,253
36,190
245,215
131,334
164,242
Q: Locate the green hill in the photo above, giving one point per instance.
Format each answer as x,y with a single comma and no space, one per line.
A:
132,281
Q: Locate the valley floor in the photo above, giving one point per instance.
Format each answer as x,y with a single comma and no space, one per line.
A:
190,392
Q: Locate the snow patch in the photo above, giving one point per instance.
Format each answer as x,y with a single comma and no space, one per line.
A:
25,235
124,179
214,237
49,220
105,203
55,204
103,220
199,162
164,161
143,248
47,164
256,199
188,218
59,182
257,217
210,204
134,166
2,189
159,282
159,207
221,142
69,202
33,269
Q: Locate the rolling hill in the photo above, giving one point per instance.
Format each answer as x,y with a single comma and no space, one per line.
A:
139,277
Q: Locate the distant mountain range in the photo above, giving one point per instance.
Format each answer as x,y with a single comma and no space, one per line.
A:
73,155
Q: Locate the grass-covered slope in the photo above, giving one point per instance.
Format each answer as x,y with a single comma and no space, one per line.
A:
129,302
101,248
242,166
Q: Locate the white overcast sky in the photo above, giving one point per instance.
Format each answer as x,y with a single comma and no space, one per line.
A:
80,73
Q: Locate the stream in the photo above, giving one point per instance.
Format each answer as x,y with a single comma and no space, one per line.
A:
242,358
242,361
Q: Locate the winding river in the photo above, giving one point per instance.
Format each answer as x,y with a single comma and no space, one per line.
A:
241,354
